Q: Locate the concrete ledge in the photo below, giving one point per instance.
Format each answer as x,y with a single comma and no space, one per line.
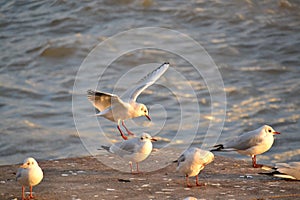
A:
87,178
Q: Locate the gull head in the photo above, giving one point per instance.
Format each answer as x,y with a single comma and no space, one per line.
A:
28,163
269,130
143,111
146,137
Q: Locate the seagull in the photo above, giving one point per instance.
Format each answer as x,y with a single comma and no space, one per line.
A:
29,174
289,170
113,108
135,149
251,143
192,161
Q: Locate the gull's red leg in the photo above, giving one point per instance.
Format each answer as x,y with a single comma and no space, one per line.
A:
128,131
122,134
23,193
197,181
137,168
131,169
30,195
187,181
254,162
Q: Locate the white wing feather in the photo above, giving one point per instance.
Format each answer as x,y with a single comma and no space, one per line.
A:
132,94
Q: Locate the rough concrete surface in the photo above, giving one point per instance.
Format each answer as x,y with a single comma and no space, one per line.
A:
87,178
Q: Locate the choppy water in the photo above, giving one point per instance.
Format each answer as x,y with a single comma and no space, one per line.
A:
255,44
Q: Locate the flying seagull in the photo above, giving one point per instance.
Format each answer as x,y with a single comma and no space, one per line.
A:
113,108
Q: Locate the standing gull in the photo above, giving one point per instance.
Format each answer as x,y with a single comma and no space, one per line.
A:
135,149
289,170
114,108
192,161
29,174
251,143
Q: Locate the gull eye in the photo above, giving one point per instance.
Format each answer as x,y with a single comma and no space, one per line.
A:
269,130
28,163
142,138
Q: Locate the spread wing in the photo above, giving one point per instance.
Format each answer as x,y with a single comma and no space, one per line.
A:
148,80
102,100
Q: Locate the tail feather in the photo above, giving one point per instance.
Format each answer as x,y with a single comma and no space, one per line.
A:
267,173
97,111
105,147
218,147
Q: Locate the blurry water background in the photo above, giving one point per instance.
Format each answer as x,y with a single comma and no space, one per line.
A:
255,44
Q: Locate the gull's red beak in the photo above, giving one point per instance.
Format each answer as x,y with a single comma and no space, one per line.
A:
148,117
153,139
276,133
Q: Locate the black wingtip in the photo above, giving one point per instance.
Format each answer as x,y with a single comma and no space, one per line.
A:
91,95
218,147
265,173
90,92
269,173
105,147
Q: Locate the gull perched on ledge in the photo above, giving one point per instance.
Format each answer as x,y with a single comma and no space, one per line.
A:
192,161
29,174
135,149
251,143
